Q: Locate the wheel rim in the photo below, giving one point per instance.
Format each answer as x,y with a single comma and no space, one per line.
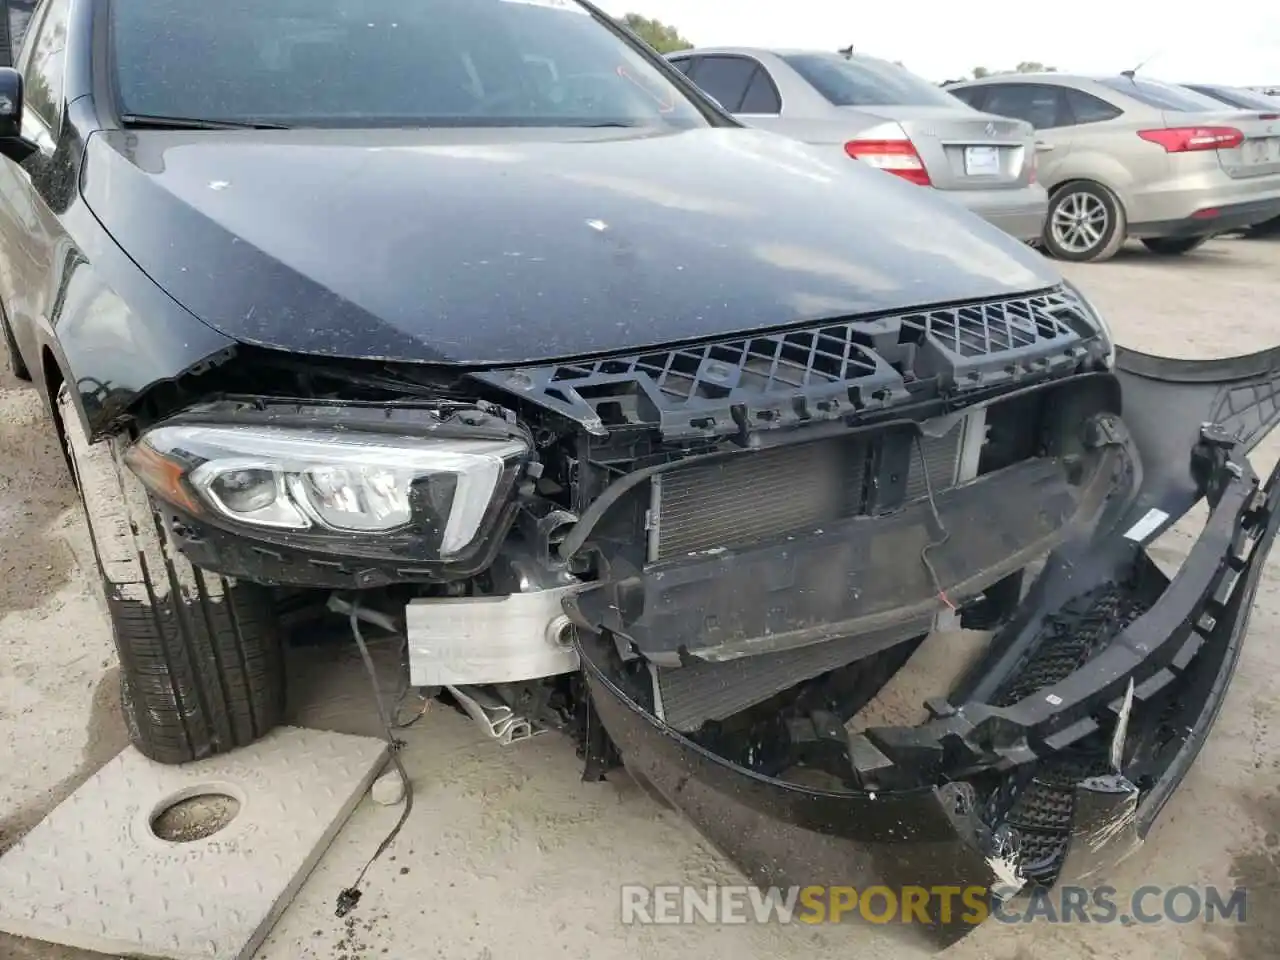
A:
1080,222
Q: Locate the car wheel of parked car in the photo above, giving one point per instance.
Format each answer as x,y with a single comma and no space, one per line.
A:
201,659
1268,228
1173,246
1085,222
11,347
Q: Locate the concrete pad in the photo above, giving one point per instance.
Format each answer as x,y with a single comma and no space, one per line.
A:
95,875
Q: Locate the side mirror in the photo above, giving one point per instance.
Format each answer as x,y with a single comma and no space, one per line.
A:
12,145
10,103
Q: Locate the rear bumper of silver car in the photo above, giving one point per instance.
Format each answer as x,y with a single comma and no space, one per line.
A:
1210,220
1020,213
1197,198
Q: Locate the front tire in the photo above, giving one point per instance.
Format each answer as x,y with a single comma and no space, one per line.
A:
201,660
1173,246
1086,223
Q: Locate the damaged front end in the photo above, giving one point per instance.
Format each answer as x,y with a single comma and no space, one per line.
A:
1052,755
707,561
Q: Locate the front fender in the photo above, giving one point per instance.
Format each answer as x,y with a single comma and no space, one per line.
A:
113,334
1090,165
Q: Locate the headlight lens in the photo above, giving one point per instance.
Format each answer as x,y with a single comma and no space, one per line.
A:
1099,321
346,483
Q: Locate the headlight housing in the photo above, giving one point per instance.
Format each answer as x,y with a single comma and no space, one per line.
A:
435,493
1099,322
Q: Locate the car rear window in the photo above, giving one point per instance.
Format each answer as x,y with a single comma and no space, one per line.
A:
387,63
867,82
1162,96
1234,97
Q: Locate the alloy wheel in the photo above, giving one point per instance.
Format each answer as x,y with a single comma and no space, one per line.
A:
1079,222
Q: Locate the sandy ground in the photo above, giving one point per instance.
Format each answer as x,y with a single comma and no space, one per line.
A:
508,854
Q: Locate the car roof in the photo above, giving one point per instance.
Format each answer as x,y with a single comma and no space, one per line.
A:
767,51
1066,79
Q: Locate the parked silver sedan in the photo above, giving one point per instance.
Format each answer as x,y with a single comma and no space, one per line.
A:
1129,156
886,116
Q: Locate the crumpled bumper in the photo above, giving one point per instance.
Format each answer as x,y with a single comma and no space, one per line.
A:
1051,758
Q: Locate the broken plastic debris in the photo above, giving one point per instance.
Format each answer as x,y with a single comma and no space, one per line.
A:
388,789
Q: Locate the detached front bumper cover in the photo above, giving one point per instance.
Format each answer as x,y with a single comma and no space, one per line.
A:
1053,757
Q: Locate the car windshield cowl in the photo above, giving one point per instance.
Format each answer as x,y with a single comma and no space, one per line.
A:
389,63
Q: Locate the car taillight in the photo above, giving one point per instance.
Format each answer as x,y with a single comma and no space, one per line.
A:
1188,139
893,156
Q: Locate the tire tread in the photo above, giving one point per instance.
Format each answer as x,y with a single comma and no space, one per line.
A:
200,655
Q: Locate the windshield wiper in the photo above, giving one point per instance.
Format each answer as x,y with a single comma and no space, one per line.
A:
194,123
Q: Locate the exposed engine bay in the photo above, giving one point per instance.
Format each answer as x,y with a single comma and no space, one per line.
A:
703,562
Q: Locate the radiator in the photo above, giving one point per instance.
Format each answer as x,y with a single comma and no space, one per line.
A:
941,456
765,494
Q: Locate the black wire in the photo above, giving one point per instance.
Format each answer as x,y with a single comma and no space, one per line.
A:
349,897
944,533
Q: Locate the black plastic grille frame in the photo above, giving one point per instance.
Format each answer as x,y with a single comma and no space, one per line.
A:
824,371
984,329
783,363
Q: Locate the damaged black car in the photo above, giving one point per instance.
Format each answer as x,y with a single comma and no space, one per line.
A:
474,323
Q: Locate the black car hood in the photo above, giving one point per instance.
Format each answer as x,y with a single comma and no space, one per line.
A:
505,246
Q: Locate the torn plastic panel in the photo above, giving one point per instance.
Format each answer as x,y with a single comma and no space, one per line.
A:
781,548
784,834
853,577
1014,768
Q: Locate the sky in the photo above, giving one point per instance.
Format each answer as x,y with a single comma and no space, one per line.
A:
943,39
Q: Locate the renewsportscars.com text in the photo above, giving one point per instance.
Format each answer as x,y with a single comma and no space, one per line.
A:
742,904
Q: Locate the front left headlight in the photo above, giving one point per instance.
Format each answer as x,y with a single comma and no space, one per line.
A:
437,491
1099,322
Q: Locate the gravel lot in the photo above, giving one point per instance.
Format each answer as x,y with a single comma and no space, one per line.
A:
508,854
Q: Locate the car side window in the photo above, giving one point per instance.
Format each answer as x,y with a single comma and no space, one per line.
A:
762,94
19,19
725,78
683,64
1037,103
1086,108
43,70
